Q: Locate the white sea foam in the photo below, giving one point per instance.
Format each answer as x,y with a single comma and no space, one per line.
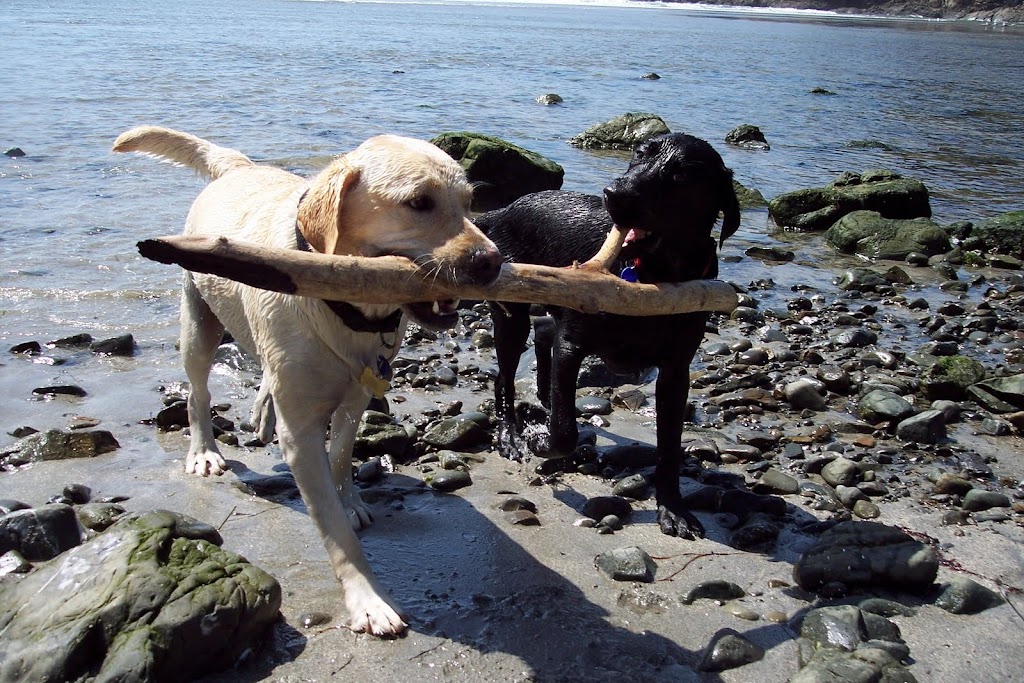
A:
708,8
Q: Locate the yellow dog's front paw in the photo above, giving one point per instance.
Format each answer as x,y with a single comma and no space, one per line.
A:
373,613
205,463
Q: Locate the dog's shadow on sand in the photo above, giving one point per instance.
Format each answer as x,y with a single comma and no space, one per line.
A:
464,579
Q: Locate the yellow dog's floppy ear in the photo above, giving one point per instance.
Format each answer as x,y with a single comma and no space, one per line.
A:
319,215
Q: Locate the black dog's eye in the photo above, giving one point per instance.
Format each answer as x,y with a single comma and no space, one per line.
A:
420,203
646,149
685,172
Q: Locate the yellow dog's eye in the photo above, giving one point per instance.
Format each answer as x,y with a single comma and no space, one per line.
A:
420,203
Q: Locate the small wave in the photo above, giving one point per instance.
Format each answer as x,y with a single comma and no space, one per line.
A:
18,294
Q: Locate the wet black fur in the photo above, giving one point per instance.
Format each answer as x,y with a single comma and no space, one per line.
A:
675,187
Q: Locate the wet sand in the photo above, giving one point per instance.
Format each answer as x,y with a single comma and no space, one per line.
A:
494,601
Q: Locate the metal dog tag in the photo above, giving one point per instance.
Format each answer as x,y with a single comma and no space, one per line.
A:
374,382
384,368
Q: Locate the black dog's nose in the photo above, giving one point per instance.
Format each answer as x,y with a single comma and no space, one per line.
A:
620,204
485,265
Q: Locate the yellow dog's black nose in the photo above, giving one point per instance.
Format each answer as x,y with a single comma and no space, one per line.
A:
484,266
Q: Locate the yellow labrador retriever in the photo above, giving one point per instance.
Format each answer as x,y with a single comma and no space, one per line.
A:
321,360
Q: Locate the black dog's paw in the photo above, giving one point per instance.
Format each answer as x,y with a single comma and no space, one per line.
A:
681,523
570,463
510,444
529,413
538,439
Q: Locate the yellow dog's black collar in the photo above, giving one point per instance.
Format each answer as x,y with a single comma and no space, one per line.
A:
350,316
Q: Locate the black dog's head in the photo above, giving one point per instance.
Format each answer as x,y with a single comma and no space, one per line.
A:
674,189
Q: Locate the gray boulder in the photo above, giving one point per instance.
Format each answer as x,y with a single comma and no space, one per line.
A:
867,554
123,345
457,433
841,472
55,444
977,500
967,596
882,191
868,234
844,643
862,280
622,132
999,394
840,627
627,564
729,650
747,136
150,599
880,405
865,665
40,534
806,393
500,171
383,437
928,426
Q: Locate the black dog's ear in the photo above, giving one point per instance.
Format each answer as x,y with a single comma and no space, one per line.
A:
730,207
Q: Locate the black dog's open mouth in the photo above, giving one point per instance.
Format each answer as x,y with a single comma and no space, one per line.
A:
435,315
637,242
635,235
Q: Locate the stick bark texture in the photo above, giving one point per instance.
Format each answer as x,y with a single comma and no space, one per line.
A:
393,279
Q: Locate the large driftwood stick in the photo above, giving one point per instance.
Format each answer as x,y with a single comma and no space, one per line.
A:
608,252
392,279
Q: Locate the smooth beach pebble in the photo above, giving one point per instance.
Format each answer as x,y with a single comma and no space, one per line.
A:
312,619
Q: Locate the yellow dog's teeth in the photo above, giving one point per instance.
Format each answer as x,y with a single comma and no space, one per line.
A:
450,304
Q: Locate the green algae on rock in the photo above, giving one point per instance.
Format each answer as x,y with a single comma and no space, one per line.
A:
150,599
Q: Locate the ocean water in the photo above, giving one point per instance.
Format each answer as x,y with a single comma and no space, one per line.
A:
292,83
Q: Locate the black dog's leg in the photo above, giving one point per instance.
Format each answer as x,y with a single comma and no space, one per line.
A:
543,343
566,359
511,330
671,392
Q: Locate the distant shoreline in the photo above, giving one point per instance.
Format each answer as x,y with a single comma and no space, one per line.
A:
978,11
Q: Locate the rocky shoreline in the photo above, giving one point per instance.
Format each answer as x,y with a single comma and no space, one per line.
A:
987,11
854,453
807,422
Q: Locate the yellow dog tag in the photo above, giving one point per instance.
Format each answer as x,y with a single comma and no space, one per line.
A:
374,382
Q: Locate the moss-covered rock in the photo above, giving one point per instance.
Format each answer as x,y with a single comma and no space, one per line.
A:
869,234
748,197
950,376
885,192
500,171
150,599
1003,234
622,132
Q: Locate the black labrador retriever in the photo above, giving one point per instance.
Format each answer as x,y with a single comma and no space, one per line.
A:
669,198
